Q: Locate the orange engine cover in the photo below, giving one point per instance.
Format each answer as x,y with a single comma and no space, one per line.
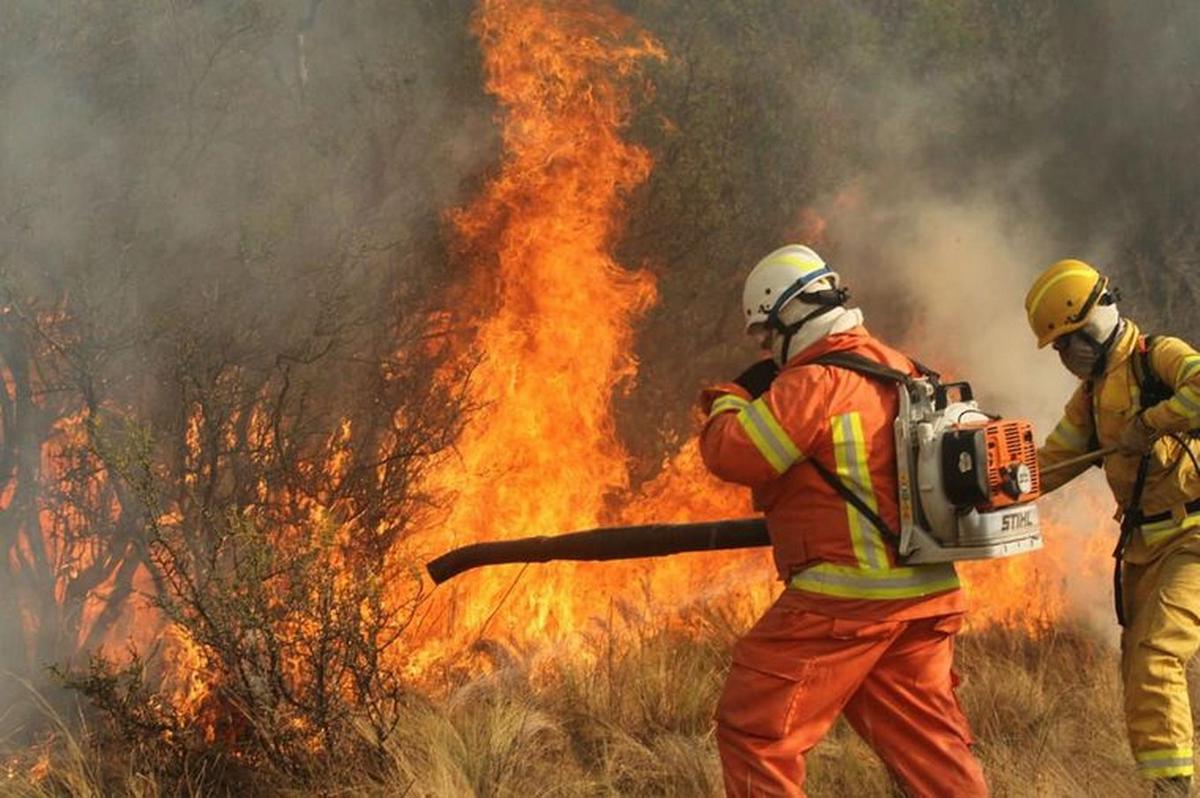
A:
1010,446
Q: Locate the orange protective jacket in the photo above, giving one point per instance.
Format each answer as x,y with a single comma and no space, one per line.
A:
824,547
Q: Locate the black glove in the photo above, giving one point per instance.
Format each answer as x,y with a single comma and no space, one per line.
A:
758,378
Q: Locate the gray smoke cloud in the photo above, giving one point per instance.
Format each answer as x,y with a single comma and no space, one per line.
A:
169,150
211,188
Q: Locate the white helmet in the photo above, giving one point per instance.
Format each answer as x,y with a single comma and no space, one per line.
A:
779,278
792,274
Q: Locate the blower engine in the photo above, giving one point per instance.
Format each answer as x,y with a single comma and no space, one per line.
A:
968,480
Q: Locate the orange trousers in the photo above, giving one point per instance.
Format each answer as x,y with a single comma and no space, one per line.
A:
796,670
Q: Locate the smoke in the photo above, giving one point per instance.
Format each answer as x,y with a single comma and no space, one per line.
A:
168,150
201,197
946,282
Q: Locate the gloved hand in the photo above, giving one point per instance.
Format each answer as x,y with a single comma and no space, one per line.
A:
1136,438
758,378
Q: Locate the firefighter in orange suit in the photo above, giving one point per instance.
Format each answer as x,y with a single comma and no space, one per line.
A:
855,632
1141,395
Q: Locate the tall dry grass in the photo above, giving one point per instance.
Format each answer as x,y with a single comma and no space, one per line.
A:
632,716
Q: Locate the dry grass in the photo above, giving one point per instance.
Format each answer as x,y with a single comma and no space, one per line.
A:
634,718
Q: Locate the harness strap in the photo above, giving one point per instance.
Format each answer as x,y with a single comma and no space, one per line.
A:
1166,515
1131,519
852,361
1151,388
839,485
864,365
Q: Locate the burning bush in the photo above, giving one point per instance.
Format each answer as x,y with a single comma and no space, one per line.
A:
222,372
273,519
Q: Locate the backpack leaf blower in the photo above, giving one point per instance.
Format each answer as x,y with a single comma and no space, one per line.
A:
968,485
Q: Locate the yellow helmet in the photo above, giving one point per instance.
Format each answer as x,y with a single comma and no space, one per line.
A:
1061,299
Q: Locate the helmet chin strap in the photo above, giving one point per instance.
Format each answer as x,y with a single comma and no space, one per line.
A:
825,300
789,331
1105,348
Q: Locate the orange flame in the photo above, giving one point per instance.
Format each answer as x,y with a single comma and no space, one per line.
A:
542,454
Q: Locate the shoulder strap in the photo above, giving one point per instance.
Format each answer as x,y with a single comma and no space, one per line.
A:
1093,445
864,365
1150,386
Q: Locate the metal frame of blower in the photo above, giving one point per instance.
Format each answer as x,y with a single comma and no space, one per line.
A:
1002,532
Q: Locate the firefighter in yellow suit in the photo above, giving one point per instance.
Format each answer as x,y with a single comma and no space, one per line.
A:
1142,395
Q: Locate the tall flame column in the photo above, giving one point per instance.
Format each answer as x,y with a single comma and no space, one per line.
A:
557,311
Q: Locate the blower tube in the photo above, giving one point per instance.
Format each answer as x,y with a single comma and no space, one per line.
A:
606,543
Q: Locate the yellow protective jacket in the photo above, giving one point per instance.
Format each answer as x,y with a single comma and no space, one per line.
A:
1111,400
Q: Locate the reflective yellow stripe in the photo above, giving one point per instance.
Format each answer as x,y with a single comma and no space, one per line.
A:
729,401
1156,533
768,436
1037,298
848,581
1069,436
1153,534
1189,366
807,266
1164,762
1186,398
850,453
1164,753
1165,771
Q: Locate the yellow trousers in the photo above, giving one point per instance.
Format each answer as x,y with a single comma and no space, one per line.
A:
1162,605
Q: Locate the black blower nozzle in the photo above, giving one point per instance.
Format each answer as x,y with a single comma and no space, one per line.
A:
610,543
